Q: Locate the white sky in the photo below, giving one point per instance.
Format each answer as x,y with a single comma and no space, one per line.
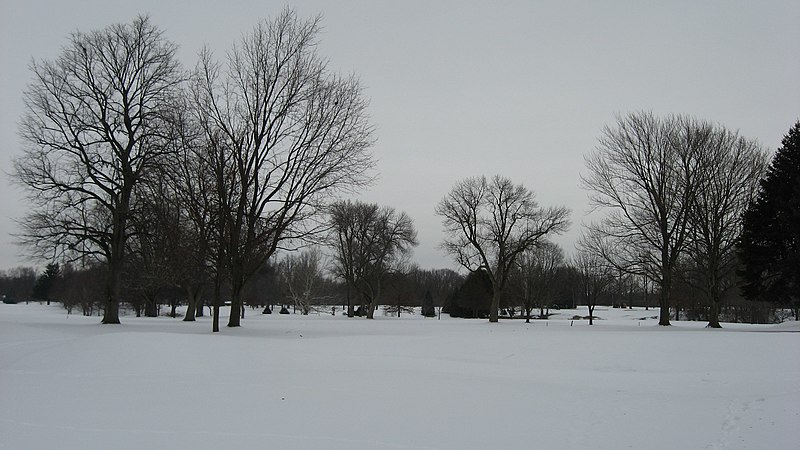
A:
459,89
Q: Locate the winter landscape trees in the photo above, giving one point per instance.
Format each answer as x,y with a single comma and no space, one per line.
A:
770,243
199,186
283,135
96,122
675,187
278,133
490,223
645,171
368,243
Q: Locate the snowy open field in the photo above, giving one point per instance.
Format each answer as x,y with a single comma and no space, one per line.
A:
322,382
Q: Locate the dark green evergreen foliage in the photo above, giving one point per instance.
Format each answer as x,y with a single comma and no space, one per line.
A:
428,309
473,299
44,284
770,242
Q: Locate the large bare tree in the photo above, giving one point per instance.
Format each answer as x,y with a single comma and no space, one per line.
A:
490,223
96,120
283,134
644,172
729,172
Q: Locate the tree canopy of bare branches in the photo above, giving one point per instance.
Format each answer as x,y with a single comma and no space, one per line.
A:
302,276
645,172
489,223
368,242
96,121
595,274
674,187
537,268
730,169
282,134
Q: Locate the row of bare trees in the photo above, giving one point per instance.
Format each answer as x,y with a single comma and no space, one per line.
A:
132,161
195,179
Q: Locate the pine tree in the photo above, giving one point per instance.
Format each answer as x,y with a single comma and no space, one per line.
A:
770,242
428,310
44,284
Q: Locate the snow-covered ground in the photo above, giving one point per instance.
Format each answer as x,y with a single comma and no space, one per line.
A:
320,382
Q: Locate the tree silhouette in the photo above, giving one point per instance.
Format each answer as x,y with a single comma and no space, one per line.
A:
770,243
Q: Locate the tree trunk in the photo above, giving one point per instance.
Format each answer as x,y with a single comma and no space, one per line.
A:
591,314
663,300
191,307
234,320
351,312
150,306
199,304
663,315
236,304
713,312
370,309
216,300
111,311
493,317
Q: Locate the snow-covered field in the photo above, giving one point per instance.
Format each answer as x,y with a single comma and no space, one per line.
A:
320,382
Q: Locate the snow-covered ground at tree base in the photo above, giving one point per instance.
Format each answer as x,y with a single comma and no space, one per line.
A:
328,382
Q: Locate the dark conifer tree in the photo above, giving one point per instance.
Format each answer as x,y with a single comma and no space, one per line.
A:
770,243
44,284
428,310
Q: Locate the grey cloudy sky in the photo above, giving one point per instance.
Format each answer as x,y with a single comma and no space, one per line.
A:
458,89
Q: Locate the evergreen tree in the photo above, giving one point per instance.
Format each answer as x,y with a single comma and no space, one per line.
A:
473,299
770,242
44,284
428,310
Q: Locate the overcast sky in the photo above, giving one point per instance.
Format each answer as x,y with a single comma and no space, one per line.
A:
459,89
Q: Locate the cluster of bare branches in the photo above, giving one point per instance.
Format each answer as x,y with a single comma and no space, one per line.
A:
673,187
490,223
302,275
537,270
369,242
95,124
281,134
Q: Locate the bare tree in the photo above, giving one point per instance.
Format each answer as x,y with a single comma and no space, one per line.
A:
369,242
595,274
730,169
155,251
645,172
95,122
191,189
537,271
283,134
302,276
490,223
